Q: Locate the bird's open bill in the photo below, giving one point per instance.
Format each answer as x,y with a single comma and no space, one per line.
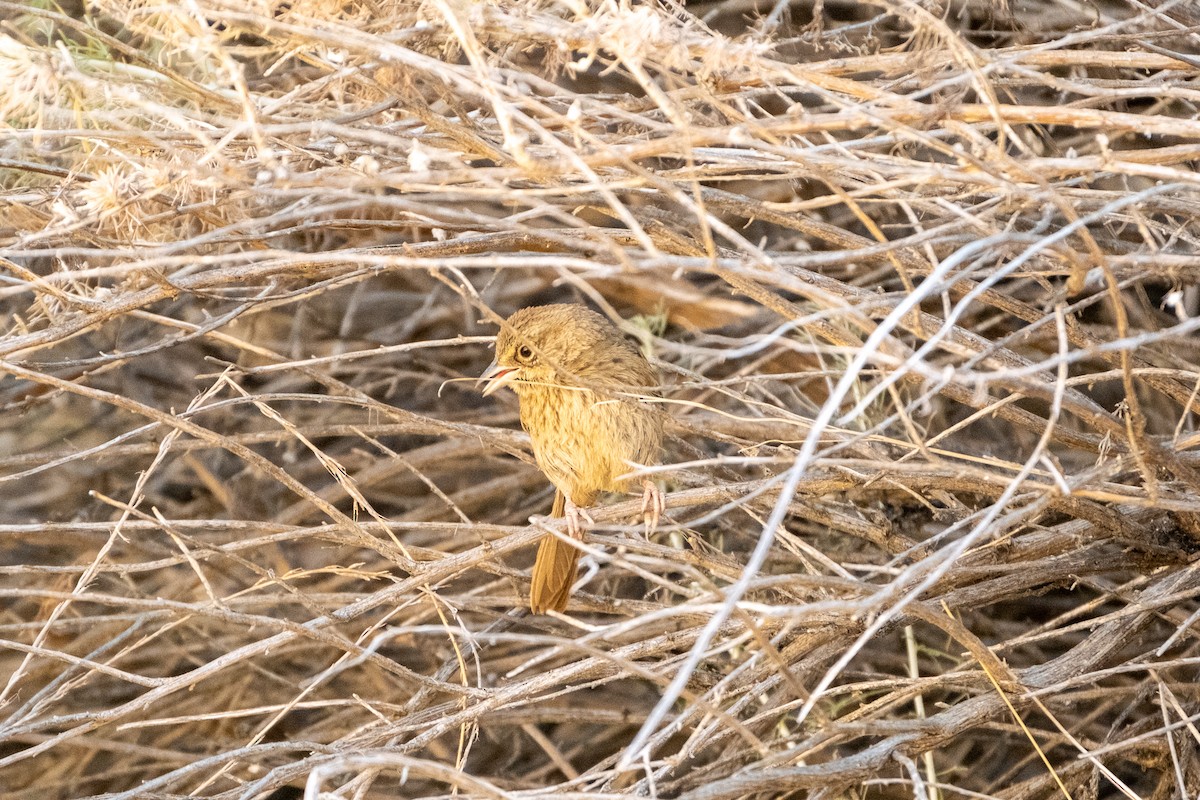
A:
496,377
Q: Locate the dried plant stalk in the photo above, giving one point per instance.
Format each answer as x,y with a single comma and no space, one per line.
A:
923,276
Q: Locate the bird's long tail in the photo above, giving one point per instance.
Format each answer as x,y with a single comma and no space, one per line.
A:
554,569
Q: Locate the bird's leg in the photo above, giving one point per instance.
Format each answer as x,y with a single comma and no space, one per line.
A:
576,516
654,503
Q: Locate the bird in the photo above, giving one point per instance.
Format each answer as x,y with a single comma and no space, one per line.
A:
587,399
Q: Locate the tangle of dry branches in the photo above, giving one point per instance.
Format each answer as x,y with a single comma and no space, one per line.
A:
922,276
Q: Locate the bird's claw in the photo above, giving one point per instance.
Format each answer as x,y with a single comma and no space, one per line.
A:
654,504
576,516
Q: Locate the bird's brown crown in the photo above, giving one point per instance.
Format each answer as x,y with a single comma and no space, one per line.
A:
570,344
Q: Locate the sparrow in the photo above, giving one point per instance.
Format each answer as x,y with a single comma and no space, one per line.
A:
586,395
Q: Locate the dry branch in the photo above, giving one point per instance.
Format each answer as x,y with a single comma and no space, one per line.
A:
922,276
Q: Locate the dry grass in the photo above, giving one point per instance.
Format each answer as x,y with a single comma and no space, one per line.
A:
924,282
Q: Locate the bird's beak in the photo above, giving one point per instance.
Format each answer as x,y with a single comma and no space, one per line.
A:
496,377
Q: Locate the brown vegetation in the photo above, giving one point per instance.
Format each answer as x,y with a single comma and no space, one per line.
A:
923,279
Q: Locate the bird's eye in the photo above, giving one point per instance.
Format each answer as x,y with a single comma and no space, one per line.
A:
524,352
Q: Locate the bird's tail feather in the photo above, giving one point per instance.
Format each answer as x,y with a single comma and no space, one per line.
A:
554,569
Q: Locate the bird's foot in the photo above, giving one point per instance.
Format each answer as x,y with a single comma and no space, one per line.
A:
576,517
654,504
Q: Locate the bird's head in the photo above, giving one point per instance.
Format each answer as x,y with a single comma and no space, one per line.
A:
557,345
